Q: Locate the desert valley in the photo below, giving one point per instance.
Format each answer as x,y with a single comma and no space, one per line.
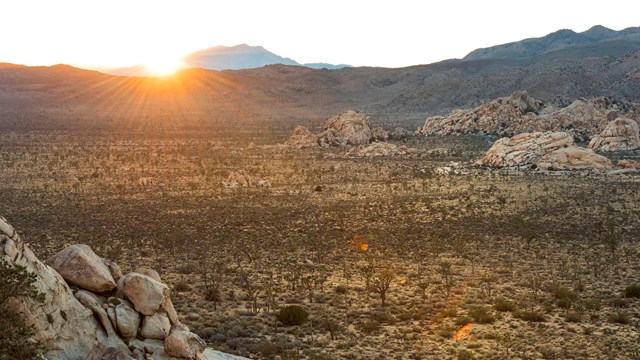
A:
478,208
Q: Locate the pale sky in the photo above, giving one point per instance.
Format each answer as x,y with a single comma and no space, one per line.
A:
117,33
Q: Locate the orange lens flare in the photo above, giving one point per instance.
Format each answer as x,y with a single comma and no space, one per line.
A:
463,333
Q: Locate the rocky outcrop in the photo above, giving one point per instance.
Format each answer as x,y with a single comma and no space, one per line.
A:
525,149
89,326
80,266
574,158
519,113
350,128
628,164
381,149
63,326
497,116
619,135
302,138
548,150
183,344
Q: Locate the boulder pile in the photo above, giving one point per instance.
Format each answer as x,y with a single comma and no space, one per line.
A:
520,113
347,128
544,150
107,315
619,135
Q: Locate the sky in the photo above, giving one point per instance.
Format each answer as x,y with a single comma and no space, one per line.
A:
116,33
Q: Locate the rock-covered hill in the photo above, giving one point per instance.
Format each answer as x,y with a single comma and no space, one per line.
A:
92,311
596,41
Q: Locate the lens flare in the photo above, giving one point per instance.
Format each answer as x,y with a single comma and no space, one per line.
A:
463,333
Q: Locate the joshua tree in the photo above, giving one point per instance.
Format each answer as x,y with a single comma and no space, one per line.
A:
381,281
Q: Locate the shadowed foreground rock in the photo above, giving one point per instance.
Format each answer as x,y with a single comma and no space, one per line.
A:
67,325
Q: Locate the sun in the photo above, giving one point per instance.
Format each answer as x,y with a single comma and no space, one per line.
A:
163,66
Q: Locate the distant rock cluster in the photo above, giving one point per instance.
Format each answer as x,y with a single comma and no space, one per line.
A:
520,113
619,135
107,315
544,150
381,149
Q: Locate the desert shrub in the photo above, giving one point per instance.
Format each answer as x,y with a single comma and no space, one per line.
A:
504,305
573,316
451,312
592,304
632,291
465,355
181,286
619,317
212,294
481,314
464,320
370,326
530,315
292,315
564,297
619,302
341,290
187,269
15,339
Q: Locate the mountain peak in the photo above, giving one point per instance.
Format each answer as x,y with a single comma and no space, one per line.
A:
563,40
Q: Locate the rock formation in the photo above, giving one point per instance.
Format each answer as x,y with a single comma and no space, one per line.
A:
497,116
350,128
347,128
302,138
399,133
548,150
381,149
135,320
619,135
519,113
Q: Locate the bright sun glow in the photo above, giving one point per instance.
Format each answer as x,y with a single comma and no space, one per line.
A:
163,66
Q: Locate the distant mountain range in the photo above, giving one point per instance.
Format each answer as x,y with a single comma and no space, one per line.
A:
598,38
237,57
555,71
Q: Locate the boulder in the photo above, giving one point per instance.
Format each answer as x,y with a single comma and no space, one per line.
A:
549,151
263,183
96,305
146,294
525,149
156,326
183,344
127,318
210,354
574,158
148,272
302,138
114,269
106,352
62,325
80,266
619,135
349,127
628,164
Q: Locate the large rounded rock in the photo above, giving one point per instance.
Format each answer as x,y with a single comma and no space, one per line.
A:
146,294
156,326
525,149
574,158
302,138
619,135
127,319
183,344
350,127
80,266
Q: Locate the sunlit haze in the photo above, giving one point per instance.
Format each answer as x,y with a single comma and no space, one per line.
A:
101,34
